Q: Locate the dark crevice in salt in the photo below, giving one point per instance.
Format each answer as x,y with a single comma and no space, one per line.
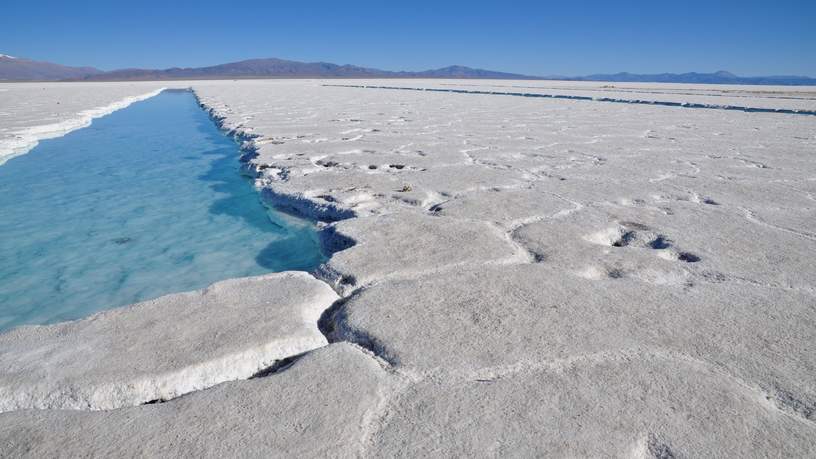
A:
278,366
331,322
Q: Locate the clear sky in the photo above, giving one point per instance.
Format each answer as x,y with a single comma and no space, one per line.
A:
570,37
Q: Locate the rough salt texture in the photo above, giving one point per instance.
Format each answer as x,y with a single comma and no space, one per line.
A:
163,348
474,320
386,248
541,277
601,405
320,407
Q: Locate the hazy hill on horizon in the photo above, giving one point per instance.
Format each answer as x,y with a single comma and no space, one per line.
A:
281,68
22,69
19,69
719,77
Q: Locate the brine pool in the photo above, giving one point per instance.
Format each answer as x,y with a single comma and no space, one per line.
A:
144,202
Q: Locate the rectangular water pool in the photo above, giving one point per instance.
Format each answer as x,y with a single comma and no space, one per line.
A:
144,202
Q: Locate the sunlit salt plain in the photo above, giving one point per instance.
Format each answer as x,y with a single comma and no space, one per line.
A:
522,276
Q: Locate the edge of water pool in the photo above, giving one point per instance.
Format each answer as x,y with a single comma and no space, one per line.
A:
246,147
24,140
202,372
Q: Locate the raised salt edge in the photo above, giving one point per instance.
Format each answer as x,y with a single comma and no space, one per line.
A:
24,140
232,330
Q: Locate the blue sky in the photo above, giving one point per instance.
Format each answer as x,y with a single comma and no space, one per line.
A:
540,38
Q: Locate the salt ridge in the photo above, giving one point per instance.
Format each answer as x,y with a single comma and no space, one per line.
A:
26,139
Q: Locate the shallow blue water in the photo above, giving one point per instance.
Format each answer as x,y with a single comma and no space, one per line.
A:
144,202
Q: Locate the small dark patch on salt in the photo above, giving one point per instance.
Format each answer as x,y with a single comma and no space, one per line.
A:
625,239
791,402
714,276
348,279
660,242
688,257
658,449
615,273
277,367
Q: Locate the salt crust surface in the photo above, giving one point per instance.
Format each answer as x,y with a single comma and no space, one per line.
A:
163,348
521,277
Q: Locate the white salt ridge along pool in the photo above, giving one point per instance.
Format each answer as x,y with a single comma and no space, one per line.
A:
24,140
21,132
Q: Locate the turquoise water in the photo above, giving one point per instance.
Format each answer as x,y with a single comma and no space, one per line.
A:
144,202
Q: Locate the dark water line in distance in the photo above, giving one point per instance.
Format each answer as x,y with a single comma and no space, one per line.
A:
588,98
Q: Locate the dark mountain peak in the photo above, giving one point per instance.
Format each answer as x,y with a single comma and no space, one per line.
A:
725,74
461,71
456,68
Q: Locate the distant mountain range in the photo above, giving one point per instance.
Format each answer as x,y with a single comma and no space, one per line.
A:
20,69
279,68
17,68
721,77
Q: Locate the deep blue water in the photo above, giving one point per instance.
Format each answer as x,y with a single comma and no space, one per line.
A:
144,202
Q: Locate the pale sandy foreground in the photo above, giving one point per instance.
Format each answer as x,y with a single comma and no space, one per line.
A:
520,276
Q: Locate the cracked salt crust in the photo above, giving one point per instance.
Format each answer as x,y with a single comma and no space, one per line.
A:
509,327
163,348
